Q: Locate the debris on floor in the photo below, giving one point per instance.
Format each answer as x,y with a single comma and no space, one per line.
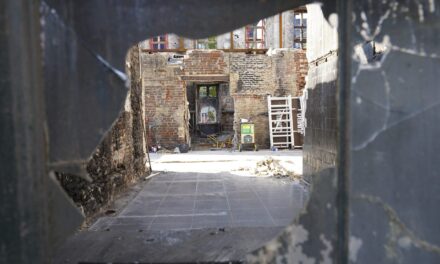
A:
166,151
270,167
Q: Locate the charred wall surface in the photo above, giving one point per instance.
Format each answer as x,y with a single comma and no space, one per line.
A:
393,169
121,158
312,237
378,205
60,77
395,104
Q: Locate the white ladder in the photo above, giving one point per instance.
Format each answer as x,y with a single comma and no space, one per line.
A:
280,122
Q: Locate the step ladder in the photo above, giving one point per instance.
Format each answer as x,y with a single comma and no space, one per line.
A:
280,122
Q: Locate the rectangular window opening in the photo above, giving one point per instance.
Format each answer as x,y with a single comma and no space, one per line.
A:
255,34
159,42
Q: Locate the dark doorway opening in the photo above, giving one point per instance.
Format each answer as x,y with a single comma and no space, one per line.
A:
211,114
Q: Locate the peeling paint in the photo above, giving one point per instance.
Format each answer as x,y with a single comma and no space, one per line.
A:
399,230
354,246
431,6
325,253
421,12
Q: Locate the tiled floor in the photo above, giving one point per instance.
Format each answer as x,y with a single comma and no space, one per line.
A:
182,201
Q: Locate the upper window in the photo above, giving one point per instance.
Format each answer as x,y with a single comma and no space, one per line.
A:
209,43
300,28
159,42
255,35
207,91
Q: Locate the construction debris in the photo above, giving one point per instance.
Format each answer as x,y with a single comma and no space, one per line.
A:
270,167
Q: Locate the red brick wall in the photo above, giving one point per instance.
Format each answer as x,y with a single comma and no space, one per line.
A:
165,100
199,62
256,75
301,67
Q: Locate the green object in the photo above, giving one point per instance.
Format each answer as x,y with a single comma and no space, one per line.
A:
247,133
247,139
212,42
212,91
247,129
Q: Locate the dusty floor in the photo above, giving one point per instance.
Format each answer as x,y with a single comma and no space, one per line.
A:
196,209
223,161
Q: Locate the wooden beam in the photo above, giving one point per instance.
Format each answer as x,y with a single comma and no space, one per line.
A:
181,43
231,40
281,29
258,51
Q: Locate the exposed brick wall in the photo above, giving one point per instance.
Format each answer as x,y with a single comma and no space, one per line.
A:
320,136
252,78
121,158
257,76
253,107
320,146
284,73
198,62
165,100
301,67
255,72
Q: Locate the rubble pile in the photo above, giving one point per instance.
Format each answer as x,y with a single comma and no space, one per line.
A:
273,168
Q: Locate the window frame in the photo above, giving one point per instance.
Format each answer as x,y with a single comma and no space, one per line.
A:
156,41
252,43
301,41
207,43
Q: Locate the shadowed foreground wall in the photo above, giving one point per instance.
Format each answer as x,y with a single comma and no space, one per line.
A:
395,106
311,237
392,142
394,121
121,158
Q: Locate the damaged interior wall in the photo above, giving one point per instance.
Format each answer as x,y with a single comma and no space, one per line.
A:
312,237
394,166
165,102
395,105
63,89
121,159
246,81
388,212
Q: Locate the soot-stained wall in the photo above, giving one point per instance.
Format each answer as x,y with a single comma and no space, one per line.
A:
395,118
121,158
312,237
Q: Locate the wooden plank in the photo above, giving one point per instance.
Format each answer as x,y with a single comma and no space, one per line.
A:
270,120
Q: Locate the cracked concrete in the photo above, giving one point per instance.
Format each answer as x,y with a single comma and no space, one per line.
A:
400,234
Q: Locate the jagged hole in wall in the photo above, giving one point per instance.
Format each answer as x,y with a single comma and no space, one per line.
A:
211,132
219,165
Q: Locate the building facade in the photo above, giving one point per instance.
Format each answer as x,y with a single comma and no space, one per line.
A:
285,30
196,88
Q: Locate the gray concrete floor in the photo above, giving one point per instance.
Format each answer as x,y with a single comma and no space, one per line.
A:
204,215
181,201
